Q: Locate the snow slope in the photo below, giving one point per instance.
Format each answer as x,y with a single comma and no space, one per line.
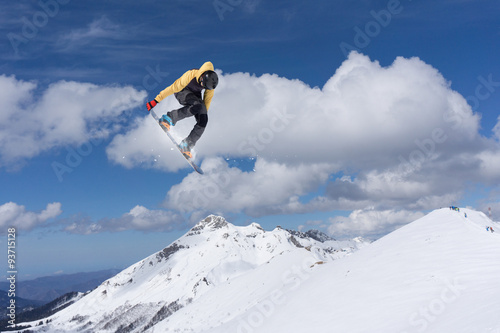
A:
440,273
204,261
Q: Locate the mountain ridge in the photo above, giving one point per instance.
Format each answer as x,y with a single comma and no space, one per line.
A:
212,253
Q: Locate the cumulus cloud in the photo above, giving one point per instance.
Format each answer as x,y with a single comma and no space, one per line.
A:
377,136
364,114
65,113
14,215
138,218
259,192
370,222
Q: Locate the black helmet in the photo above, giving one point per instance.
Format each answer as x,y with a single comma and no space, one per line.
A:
209,80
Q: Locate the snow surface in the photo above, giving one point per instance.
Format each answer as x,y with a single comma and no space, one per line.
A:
438,274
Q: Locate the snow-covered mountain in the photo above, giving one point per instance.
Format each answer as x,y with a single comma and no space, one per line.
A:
203,263
438,274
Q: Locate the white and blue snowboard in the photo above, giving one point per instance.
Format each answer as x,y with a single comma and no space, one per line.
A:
189,160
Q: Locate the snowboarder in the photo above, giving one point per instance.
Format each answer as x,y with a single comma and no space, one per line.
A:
187,90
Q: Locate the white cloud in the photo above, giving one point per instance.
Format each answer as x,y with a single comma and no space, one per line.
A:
145,145
492,206
365,116
99,28
490,165
138,218
424,190
14,215
370,222
257,193
65,113
496,129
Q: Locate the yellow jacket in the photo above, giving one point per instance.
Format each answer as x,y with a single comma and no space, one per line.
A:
184,80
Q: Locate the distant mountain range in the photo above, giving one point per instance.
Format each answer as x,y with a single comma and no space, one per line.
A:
31,295
21,304
28,313
46,289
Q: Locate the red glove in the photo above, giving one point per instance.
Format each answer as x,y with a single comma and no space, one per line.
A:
151,104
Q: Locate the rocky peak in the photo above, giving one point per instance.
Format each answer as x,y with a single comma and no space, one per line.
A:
211,222
256,226
313,234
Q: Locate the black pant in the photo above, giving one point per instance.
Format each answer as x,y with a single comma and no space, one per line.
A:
193,106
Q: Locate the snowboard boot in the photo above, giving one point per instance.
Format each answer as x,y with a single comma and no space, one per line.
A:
186,149
165,122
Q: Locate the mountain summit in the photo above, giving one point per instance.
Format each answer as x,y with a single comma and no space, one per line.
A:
208,259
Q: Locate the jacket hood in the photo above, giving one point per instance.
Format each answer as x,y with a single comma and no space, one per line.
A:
208,66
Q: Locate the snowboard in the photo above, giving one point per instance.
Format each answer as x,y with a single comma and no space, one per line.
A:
189,160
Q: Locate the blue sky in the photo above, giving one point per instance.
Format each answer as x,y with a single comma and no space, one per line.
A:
301,134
